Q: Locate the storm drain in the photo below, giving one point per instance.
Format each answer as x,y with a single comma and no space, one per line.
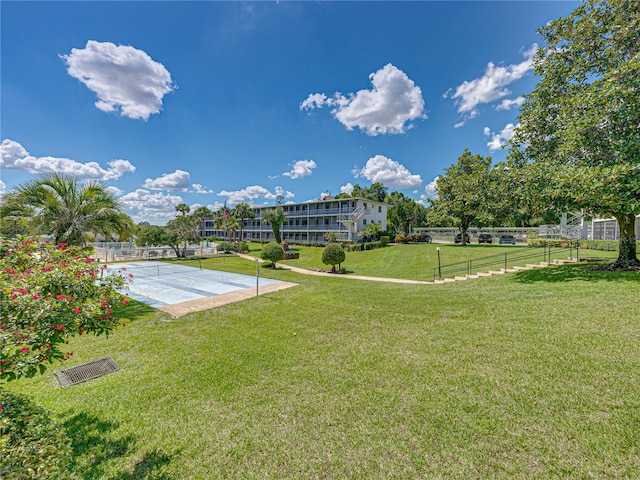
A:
87,371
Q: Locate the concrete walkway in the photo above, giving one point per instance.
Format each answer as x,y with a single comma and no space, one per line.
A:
183,308
304,271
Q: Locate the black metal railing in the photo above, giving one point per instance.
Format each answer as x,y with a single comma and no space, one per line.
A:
504,261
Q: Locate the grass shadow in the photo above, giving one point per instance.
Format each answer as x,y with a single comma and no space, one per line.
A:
572,272
95,447
148,467
133,311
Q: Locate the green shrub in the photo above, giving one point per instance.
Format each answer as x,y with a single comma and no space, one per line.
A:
226,247
605,245
273,252
331,237
32,444
371,245
242,246
333,254
384,240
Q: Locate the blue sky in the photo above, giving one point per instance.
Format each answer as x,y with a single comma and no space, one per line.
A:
207,102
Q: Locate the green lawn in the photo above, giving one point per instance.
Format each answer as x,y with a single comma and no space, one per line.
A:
415,261
526,375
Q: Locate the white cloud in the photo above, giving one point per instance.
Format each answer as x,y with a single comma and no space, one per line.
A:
314,100
14,156
177,181
300,169
430,191
3,188
491,86
279,191
508,103
498,140
198,188
388,172
249,194
122,77
114,190
155,208
348,189
388,108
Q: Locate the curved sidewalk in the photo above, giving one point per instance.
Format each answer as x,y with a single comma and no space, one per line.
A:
304,271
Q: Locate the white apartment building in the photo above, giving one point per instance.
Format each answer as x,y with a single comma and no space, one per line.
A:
309,221
608,229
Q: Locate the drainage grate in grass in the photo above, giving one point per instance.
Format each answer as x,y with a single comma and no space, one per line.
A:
87,371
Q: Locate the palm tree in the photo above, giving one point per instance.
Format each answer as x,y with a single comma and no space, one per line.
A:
67,208
276,217
243,211
202,213
183,208
226,221
373,230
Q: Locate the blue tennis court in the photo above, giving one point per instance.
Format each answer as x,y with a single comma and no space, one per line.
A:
160,284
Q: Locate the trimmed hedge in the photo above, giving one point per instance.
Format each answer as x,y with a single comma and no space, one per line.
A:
547,242
603,245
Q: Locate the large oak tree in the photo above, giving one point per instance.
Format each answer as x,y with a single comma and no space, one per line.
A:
578,138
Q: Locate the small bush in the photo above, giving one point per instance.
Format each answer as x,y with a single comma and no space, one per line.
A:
33,445
371,245
400,238
226,247
272,252
349,246
242,246
331,237
333,254
384,240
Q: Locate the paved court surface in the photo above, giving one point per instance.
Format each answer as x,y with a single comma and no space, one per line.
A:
178,289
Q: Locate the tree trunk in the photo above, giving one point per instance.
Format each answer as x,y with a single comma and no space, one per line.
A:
627,254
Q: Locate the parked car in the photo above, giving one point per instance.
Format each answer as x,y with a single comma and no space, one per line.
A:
507,240
458,238
425,237
485,238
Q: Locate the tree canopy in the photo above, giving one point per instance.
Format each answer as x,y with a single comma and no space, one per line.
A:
376,192
464,194
579,130
333,254
242,212
67,209
404,213
275,217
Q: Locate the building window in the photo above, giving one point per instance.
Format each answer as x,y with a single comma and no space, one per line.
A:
364,221
379,209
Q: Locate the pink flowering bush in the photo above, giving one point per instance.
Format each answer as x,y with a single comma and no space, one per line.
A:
49,293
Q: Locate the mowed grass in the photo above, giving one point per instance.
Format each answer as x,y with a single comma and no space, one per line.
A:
417,261
526,375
